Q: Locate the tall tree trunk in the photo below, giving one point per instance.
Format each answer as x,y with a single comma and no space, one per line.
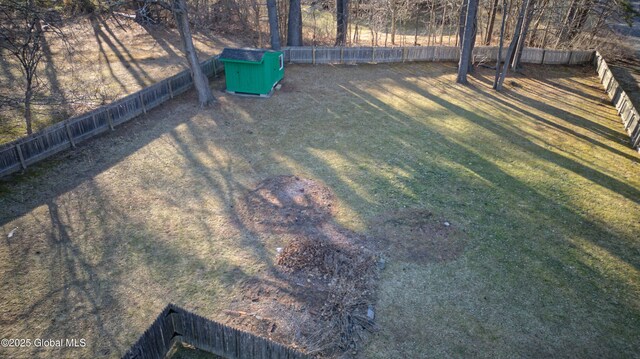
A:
294,30
256,18
394,12
342,21
462,21
272,12
205,97
356,13
444,19
468,37
415,38
492,19
515,65
283,17
512,45
474,33
501,45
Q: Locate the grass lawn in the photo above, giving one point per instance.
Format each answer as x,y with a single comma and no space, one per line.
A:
538,184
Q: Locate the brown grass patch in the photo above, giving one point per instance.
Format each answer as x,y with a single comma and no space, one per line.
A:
280,203
417,235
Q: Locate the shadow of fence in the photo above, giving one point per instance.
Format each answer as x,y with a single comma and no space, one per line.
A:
628,113
175,325
18,154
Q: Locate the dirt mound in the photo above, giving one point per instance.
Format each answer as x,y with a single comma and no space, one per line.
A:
283,202
417,235
320,294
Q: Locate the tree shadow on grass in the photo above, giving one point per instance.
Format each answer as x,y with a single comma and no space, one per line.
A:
494,174
127,60
597,129
222,163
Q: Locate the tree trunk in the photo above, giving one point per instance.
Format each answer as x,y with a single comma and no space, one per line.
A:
468,37
272,12
512,45
283,13
356,13
256,18
500,46
415,38
200,81
27,108
294,30
534,32
568,20
474,33
393,22
492,19
580,19
515,65
444,19
342,21
462,21
432,24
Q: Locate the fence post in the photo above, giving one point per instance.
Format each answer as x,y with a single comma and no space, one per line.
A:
636,143
66,126
628,124
342,54
373,54
144,108
544,54
110,119
21,157
170,89
313,55
404,54
570,57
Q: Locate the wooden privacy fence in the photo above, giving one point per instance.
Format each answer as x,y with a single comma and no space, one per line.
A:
628,113
354,55
67,134
27,150
175,324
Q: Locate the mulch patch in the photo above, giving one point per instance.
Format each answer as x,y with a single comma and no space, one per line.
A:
322,288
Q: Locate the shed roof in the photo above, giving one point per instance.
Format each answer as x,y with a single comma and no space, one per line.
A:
248,55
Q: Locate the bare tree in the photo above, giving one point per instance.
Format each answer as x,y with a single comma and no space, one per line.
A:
492,20
512,45
500,45
180,14
515,64
21,36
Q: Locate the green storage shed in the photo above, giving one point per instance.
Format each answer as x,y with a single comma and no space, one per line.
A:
252,71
